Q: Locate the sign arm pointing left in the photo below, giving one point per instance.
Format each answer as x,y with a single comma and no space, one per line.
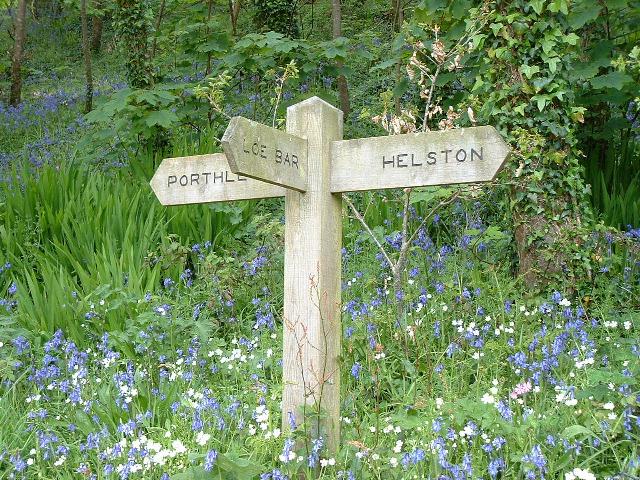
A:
265,153
205,179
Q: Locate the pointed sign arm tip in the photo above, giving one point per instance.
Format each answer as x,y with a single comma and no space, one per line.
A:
265,153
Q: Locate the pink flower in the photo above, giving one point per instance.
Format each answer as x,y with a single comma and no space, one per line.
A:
521,389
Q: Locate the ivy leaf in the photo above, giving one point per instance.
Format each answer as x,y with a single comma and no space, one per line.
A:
615,80
529,70
537,5
571,39
547,44
165,118
520,108
559,6
541,101
552,62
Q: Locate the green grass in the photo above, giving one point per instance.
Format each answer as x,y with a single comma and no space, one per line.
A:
612,171
72,229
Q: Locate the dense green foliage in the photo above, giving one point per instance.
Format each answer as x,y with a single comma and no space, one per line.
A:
139,341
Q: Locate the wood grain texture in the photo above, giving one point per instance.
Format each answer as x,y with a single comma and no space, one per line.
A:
205,179
265,153
312,266
465,155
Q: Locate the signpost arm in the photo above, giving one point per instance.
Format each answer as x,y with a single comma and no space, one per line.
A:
312,268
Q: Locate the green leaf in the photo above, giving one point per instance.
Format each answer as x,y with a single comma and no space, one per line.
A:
537,5
409,367
559,6
429,194
520,108
198,473
575,430
401,87
384,65
165,118
431,6
571,39
615,80
217,43
240,468
529,70
548,44
579,18
553,63
584,71
541,101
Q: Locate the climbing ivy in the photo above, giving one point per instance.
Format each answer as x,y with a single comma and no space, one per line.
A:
522,79
133,25
278,16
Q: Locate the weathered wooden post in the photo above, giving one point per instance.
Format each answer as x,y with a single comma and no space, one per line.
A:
312,272
312,166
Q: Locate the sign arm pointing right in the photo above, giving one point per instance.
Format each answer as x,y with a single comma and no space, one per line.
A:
465,155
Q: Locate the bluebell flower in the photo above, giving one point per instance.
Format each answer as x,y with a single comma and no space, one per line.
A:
292,421
21,344
355,370
19,465
496,466
314,455
210,460
504,410
537,459
436,424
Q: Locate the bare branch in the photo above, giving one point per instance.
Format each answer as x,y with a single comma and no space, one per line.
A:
369,231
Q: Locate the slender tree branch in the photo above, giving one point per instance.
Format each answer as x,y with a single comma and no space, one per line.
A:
430,97
369,231
441,204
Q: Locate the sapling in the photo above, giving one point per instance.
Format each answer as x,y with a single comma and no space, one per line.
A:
424,67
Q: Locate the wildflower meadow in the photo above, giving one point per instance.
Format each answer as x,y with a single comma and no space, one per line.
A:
488,331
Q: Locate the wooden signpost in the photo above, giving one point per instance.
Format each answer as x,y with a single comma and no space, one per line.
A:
311,165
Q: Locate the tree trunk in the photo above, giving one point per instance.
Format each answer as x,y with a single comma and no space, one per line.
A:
398,18
535,264
18,53
86,52
397,15
208,71
343,89
158,23
234,12
134,32
96,24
